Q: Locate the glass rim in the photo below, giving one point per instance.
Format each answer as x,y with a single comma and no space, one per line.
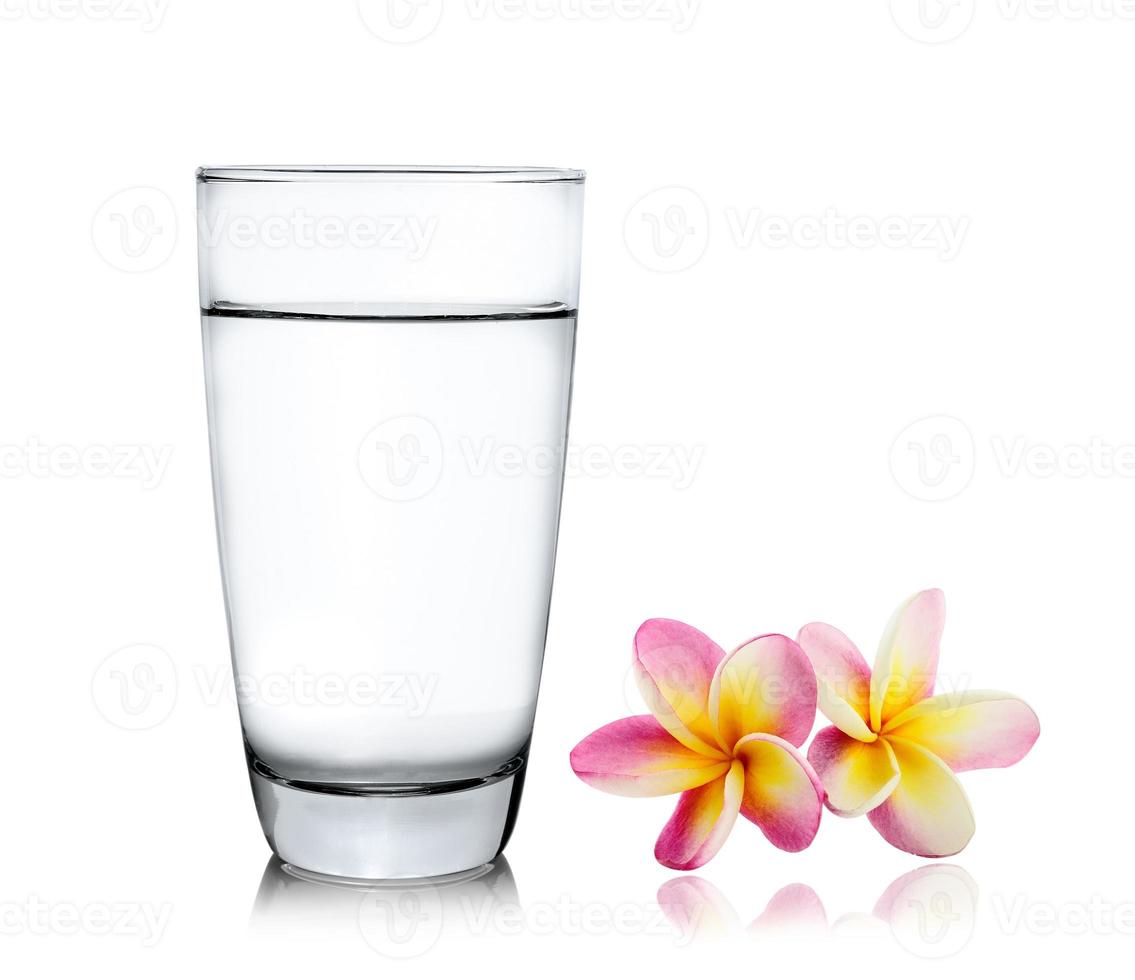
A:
383,173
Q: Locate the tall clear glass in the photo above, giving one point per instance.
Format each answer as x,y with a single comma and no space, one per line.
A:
388,362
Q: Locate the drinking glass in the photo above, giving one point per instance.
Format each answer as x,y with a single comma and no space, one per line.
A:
388,364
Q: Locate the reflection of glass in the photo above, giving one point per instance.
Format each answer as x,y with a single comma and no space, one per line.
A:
397,919
388,362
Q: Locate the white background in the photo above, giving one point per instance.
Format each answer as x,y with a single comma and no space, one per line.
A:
792,367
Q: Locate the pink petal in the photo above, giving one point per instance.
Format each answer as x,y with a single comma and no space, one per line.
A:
638,757
843,677
764,686
857,776
675,664
973,730
793,909
697,908
783,795
928,814
907,662
702,822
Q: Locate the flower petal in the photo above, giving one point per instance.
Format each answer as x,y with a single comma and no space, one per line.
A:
674,666
857,776
702,821
638,757
928,814
765,686
907,662
697,908
783,795
972,730
794,909
843,677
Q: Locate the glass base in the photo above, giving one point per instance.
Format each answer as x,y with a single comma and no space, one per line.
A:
403,832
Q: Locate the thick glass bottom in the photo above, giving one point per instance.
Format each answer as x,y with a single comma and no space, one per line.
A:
396,832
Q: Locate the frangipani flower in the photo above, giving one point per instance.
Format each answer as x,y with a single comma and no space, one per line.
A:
724,732
894,747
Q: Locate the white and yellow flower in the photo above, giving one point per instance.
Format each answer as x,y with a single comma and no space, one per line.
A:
893,747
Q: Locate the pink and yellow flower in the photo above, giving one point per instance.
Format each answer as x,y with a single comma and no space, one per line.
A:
724,732
894,747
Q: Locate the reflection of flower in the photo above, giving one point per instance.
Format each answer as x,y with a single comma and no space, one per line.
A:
893,748
930,912
793,909
724,732
696,906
